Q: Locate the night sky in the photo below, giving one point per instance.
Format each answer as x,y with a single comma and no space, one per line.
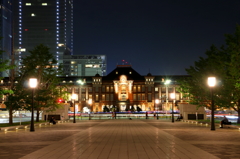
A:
162,37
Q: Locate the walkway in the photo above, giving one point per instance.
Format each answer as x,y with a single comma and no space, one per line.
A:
121,139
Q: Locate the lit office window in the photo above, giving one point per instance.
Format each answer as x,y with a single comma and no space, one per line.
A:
22,49
88,66
61,45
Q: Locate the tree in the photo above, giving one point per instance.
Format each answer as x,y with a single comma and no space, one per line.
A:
114,108
132,109
232,77
223,63
5,65
15,100
106,109
139,109
42,65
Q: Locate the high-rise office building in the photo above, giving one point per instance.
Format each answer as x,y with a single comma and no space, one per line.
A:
28,23
84,65
6,31
48,22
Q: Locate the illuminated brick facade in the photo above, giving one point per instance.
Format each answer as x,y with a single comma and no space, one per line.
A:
124,89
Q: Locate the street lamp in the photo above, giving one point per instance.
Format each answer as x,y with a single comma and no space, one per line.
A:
80,82
90,103
74,96
156,106
211,84
172,95
33,85
167,82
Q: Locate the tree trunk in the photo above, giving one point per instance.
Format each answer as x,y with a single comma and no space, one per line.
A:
238,110
38,114
238,120
10,116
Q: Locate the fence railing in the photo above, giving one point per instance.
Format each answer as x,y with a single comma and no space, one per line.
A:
85,116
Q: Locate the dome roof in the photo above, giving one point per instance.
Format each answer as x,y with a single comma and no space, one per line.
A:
149,74
97,75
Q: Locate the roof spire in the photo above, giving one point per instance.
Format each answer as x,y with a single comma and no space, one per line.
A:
149,74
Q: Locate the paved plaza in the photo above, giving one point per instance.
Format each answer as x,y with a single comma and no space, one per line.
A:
121,139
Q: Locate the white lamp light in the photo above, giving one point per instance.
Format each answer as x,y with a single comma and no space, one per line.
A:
211,81
74,96
33,82
172,95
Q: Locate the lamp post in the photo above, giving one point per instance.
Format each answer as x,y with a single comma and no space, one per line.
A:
211,84
156,106
80,82
74,96
172,95
90,103
33,85
167,82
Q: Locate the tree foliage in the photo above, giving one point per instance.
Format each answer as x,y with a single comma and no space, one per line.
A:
222,63
139,109
106,109
40,64
4,66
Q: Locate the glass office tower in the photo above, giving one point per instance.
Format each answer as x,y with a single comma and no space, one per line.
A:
6,31
48,22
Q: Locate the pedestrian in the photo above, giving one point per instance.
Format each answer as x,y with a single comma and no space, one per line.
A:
52,120
113,115
224,121
180,117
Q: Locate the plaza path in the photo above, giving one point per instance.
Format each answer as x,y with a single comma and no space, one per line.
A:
121,139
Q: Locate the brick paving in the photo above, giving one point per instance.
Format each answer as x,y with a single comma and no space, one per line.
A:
123,139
